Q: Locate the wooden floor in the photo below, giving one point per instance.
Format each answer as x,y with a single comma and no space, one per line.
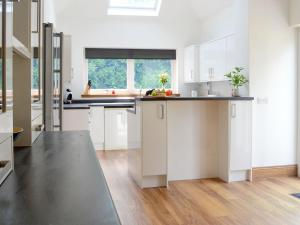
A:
265,202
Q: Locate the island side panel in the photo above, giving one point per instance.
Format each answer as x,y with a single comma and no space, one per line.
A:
134,138
192,134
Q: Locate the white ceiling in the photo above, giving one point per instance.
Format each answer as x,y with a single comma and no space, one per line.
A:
179,9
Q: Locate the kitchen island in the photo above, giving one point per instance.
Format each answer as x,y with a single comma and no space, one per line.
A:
57,181
185,138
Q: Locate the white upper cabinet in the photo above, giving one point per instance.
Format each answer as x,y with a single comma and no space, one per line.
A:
191,66
213,61
210,61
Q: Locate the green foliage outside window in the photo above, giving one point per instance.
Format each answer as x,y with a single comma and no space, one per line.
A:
35,74
108,73
112,73
148,71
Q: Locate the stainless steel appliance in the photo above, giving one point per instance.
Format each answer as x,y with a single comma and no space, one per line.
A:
52,79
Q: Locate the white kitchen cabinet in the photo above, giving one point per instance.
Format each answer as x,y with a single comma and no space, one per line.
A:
155,138
213,60
191,65
75,119
115,129
147,144
96,124
235,141
240,130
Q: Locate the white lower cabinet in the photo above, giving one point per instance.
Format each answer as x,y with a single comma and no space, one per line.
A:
108,127
147,144
240,140
235,141
96,124
76,119
115,129
186,140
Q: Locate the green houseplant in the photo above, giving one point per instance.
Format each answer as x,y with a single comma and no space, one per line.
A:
163,80
237,80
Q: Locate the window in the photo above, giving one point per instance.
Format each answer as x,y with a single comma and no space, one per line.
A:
147,71
35,74
113,74
108,73
134,7
129,70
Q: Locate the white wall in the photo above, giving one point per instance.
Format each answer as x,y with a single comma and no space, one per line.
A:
49,12
120,32
273,78
294,13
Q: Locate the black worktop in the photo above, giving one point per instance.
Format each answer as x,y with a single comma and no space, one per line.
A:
204,98
101,102
57,181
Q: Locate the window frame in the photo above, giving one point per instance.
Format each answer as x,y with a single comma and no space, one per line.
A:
134,11
130,79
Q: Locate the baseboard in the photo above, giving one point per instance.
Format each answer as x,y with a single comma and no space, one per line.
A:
274,171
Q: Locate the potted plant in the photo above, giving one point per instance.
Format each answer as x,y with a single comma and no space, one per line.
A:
163,80
237,80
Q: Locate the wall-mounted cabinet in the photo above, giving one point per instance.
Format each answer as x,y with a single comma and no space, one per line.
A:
210,61
191,65
213,61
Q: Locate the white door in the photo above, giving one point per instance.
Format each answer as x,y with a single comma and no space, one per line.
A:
240,130
115,129
96,123
154,133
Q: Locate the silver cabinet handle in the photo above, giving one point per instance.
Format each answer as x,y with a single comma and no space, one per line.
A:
233,110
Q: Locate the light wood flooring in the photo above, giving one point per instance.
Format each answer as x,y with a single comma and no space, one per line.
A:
203,202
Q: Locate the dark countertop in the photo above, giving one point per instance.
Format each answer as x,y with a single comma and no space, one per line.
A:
105,105
57,181
103,102
194,98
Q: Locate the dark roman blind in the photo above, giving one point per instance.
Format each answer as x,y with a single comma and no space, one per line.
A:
112,53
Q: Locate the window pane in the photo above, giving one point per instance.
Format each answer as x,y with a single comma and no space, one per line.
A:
108,73
144,4
147,72
35,74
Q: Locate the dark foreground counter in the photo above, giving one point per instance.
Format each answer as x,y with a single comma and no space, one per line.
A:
58,181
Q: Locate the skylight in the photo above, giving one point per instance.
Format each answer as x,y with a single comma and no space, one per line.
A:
134,7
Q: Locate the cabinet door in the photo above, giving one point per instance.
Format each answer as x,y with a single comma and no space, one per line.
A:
240,145
115,129
213,60
154,133
96,123
190,67
75,119
205,63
